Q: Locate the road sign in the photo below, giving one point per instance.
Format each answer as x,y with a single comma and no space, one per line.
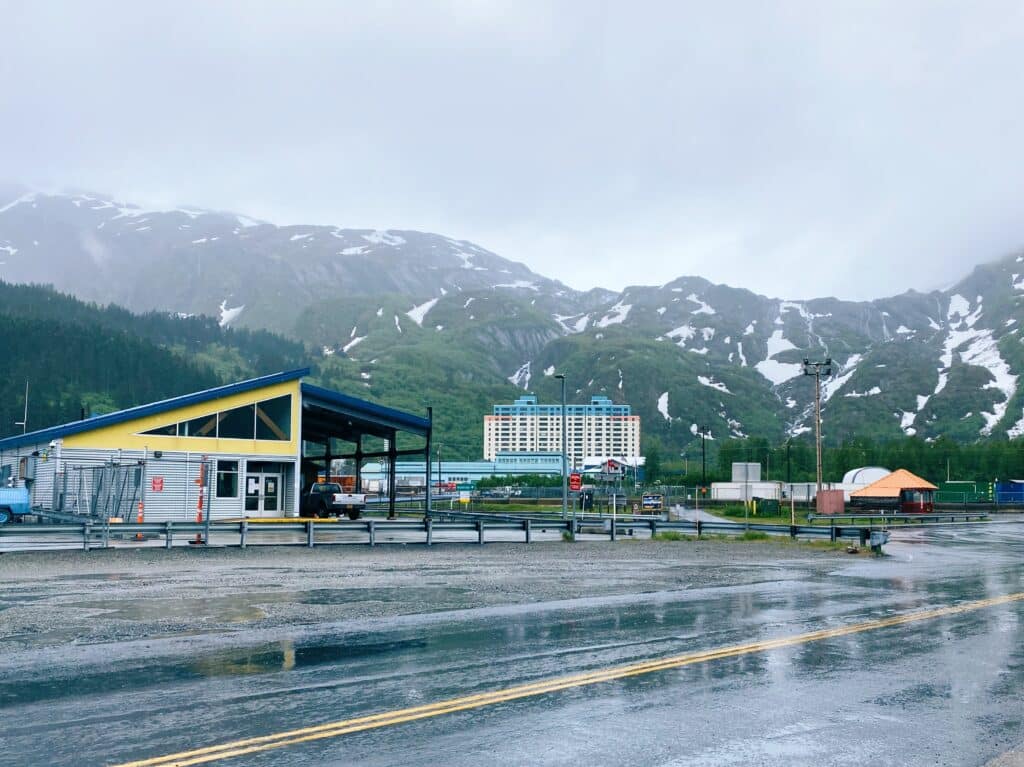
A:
463,496
575,482
652,502
464,487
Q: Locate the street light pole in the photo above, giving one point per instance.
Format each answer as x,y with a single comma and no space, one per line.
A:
565,478
816,369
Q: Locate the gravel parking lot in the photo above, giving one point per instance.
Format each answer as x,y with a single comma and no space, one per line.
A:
54,599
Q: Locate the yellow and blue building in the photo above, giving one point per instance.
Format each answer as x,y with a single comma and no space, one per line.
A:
246,448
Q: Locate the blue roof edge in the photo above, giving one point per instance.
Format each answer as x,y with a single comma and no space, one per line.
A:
411,422
153,408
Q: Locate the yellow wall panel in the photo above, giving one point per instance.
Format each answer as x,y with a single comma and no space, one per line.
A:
127,435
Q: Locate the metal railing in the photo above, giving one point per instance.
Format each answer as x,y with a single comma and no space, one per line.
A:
89,534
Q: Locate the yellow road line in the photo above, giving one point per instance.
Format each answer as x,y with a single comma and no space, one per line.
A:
401,716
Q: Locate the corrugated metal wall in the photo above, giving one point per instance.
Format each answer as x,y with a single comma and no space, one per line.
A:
173,497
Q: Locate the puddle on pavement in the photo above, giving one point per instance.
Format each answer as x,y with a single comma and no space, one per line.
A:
246,607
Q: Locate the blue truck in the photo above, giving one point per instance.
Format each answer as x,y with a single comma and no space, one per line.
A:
14,502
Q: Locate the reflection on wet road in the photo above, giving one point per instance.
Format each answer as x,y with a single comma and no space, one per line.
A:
946,689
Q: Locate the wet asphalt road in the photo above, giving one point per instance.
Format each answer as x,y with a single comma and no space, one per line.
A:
947,691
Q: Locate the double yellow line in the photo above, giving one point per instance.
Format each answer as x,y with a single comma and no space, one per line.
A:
401,716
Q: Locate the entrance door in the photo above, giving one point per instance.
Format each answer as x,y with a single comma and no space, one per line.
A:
263,494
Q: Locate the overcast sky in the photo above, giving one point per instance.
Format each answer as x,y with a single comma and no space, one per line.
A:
795,148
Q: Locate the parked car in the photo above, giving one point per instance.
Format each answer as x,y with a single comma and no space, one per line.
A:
325,499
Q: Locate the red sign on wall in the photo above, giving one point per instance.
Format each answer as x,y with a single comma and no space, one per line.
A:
575,482
156,484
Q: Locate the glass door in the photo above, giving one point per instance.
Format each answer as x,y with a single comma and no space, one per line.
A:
271,489
262,493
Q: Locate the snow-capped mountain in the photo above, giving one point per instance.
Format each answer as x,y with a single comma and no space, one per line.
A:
435,314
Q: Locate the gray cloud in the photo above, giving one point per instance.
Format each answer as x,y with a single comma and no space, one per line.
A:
796,148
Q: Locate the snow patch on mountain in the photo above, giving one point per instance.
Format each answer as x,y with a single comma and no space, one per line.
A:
702,308
398,326
353,343
615,316
833,385
872,392
663,406
549,370
228,315
775,371
521,378
978,347
383,237
577,326
417,313
712,384
523,284
681,335
960,313
907,422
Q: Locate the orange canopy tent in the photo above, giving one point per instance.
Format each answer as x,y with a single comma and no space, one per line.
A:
892,485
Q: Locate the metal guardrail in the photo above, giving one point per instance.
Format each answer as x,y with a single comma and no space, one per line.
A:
953,516
98,534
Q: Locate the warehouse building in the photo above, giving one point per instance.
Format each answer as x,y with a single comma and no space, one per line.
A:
244,449
600,428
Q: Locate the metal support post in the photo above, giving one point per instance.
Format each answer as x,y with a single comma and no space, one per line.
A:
309,533
86,532
480,532
565,476
429,524
243,533
169,534
526,530
392,483
371,529
426,461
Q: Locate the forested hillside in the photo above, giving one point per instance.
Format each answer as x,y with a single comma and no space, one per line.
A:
82,357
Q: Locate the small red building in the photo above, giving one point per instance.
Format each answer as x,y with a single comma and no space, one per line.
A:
900,491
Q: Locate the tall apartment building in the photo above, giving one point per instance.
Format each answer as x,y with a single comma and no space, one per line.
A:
600,428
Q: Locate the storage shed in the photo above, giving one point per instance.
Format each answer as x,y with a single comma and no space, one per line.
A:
899,491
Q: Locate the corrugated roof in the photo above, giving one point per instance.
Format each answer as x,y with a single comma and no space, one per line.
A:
891,485
154,408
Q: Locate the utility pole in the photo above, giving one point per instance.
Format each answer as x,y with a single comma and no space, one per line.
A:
817,369
565,477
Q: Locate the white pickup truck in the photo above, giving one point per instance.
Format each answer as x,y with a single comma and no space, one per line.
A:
326,499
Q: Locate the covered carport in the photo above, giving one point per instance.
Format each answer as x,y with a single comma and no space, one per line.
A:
337,426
